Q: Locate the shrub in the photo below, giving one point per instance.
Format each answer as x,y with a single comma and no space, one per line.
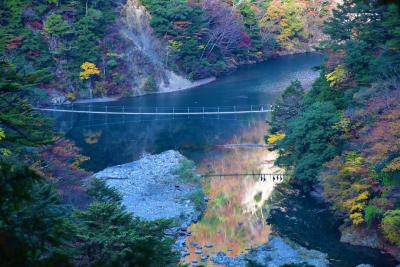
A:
186,171
372,214
391,226
197,198
150,85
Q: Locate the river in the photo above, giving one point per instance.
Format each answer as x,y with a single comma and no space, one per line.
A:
114,139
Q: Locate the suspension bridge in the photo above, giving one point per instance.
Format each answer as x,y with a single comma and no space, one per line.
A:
159,111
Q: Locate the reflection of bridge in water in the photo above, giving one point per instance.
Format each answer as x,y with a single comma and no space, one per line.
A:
264,177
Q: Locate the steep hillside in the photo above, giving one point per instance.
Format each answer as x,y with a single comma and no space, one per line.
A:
343,134
103,48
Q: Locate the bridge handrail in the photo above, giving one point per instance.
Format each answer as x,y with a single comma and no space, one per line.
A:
161,111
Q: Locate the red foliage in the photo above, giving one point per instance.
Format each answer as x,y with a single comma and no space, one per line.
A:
245,41
60,162
15,42
36,24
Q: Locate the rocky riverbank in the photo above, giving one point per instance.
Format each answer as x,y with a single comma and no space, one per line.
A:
277,252
358,235
152,189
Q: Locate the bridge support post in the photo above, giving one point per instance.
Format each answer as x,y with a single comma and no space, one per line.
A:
90,114
106,120
123,116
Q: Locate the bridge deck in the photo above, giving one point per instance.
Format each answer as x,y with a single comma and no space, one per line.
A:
155,113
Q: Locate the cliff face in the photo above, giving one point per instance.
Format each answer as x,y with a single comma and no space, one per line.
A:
145,53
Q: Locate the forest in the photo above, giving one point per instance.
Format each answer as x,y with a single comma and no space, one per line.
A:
63,38
341,136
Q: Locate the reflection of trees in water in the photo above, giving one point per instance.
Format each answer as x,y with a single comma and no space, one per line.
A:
92,137
226,223
126,140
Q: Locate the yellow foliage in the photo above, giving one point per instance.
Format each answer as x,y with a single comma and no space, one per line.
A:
353,163
337,76
362,196
70,96
175,44
357,218
88,70
273,138
259,54
2,134
4,151
355,206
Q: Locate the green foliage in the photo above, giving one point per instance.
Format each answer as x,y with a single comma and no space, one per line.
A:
258,197
372,214
110,236
150,85
34,224
186,172
288,106
99,190
250,20
22,125
197,198
55,24
391,226
311,139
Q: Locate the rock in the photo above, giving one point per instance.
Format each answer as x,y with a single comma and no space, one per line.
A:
359,236
56,98
317,194
184,254
204,257
172,231
279,251
148,188
222,259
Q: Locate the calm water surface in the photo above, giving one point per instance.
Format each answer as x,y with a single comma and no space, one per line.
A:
111,140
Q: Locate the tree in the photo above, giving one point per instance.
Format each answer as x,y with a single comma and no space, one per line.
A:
311,140
34,223
225,28
108,235
89,69
288,106
22,125
55,24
